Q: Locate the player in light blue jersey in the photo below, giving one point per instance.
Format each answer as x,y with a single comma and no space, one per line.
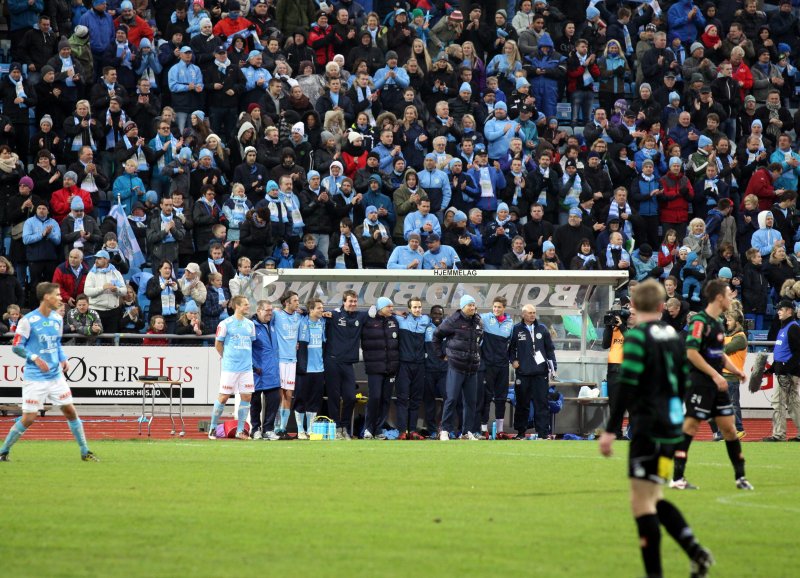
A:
286,322
234,343
310,368
38,341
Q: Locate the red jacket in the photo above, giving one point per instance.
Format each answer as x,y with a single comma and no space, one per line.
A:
321,40
665,257
227,27
760,185
62,198
140,29
742,74
353,164
575,73
674,203
70,285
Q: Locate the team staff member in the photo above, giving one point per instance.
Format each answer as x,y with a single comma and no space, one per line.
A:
786,366
266,397
380,344
736,350
652,385
435,375
493,376
463,332
343,338
707,396
310,368
411,377
534,358
287,325
614,340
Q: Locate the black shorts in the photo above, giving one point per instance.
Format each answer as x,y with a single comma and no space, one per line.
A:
650,460
704,402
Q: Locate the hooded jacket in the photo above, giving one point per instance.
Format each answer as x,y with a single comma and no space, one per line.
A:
462,338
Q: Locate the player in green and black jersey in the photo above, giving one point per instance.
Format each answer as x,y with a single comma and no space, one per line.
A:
652,383
707,394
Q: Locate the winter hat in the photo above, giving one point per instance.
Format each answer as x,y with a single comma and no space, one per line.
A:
191,307
645,251
465,300
311,174
383,302
592,12
325,136
337,164
151,197
648,162
391,55
46,118
703,141
502,207
411,236
371,209
757,123
503,13
299,128
111,236
501,106
205,153
71,175
460,217
465,87
575,212
645,85
695,46
353,136
130,125
185,154
248,150
456,16
522,82
547,245
252,106
430,157
674,96
76,204
253,54
454,162
201,116
81,31
416,12
272,186
675,161
725,273
102,254
63,44
126,5
28,182
144,43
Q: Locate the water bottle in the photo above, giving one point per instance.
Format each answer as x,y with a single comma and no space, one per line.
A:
604,388
494,430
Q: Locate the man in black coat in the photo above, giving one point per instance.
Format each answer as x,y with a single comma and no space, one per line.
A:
380,344
534,359
463,331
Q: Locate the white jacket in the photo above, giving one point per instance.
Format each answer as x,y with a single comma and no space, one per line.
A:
99,298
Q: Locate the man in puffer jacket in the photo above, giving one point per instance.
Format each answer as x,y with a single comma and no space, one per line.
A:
463,331
380,344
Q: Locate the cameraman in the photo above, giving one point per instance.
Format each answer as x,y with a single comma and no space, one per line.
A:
613,340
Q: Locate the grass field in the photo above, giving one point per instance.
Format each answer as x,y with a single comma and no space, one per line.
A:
225,508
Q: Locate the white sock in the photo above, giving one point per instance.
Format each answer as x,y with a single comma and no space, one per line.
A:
484,427
499,425
299,419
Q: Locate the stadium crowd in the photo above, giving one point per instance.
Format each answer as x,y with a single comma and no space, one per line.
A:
241,135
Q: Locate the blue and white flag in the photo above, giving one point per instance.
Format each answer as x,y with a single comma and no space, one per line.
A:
128,245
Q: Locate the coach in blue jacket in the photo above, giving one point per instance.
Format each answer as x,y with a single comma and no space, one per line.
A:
493,375
533,357
268,379
342,340
463,332
380,344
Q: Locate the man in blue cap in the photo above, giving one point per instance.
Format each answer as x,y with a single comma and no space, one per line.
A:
185,82
380,345
462,333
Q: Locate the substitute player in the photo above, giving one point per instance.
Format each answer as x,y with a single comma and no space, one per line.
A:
286,322
707,396
38,340
234,343
652,381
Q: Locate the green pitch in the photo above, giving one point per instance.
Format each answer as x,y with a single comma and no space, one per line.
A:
375,509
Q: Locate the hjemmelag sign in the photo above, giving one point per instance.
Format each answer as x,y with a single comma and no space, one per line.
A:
108,375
